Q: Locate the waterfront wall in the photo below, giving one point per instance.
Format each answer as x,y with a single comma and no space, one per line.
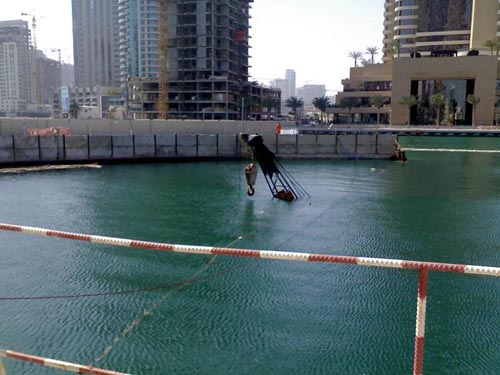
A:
19,149
20,126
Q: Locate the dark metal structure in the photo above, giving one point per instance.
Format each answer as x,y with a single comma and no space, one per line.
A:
282,185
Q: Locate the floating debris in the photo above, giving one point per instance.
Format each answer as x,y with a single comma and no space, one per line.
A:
44,168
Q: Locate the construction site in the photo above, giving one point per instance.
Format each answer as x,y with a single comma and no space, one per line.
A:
201,69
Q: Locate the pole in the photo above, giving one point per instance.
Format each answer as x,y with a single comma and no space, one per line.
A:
418,362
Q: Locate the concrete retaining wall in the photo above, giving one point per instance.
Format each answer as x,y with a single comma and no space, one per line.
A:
38,149
20,126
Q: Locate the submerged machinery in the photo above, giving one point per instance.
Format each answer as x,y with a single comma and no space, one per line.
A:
281,184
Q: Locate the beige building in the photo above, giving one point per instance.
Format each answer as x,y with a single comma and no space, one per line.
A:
430,47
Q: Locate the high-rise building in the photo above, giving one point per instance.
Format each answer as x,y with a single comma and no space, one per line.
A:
16,67
431,47
282,85
208,58
425,26
50,77
291,77
138,38
309,92
95,42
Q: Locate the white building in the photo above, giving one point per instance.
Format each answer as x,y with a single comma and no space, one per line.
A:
309,92
292,79
284,86
16,73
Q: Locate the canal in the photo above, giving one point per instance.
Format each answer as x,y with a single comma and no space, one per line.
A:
144,312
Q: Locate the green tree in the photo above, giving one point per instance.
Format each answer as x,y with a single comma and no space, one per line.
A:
74,108
396,47
378,102
364,62
491,44
356,55
372,51
321,103
294,103
474,101
410,102
272,105
349,102
439,100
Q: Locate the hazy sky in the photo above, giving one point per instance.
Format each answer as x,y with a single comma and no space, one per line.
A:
313,37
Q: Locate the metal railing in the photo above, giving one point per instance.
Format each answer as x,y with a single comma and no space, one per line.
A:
423,268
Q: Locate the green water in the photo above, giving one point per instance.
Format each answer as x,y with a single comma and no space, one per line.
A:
248,316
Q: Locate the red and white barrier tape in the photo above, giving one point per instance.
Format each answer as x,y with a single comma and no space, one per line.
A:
66,366
422,267
263,254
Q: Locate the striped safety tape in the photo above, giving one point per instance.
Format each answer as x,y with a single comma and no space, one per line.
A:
264,254
61,365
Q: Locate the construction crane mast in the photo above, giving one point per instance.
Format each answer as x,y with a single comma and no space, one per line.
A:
163,48
36,73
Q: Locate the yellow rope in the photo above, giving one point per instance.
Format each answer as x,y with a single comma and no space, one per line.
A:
154,306
449,150
2,368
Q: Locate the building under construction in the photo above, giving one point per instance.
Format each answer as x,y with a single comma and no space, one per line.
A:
205,73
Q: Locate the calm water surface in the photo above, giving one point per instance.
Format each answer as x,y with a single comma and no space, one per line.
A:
196,314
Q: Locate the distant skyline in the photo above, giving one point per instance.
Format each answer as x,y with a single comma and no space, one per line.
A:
311,37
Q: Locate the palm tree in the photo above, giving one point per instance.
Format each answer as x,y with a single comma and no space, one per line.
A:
271,104
322,104
294,103
474,101
356,55
378,102
439,100
276,105
372,51
74,108
364,62
491,44
410,102
396,46
348,102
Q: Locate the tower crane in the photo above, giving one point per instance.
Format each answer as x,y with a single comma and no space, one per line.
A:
163,49
36,73
58,50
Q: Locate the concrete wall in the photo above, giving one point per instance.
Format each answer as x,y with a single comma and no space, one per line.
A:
19,126
84,148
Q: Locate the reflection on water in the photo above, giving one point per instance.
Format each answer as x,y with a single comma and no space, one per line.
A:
251,316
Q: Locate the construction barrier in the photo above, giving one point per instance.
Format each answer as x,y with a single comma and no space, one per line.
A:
422,267
47,362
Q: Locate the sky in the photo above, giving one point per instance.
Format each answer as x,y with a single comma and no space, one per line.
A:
312,37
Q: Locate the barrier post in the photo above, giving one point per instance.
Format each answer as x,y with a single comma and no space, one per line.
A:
418,363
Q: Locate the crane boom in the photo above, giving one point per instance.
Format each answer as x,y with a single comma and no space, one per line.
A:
163,49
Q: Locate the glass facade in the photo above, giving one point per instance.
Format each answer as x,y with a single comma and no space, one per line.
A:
433,16
456,110
444,15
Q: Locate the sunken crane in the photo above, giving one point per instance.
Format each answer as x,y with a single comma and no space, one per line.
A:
282,185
